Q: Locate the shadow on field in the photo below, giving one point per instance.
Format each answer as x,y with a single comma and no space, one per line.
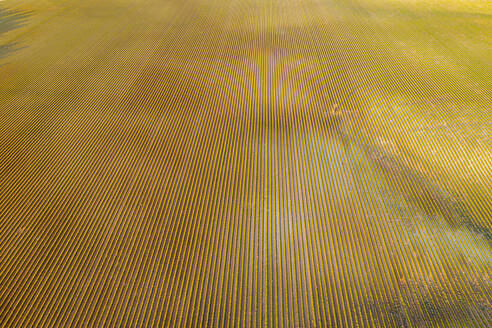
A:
10,20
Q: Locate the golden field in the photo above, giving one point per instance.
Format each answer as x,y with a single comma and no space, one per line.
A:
246,163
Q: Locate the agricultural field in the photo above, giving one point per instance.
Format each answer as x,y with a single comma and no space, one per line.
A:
259,163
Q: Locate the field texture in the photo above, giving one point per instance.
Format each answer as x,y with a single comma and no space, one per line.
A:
223,163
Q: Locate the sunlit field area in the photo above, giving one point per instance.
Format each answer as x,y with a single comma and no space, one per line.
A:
246,163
